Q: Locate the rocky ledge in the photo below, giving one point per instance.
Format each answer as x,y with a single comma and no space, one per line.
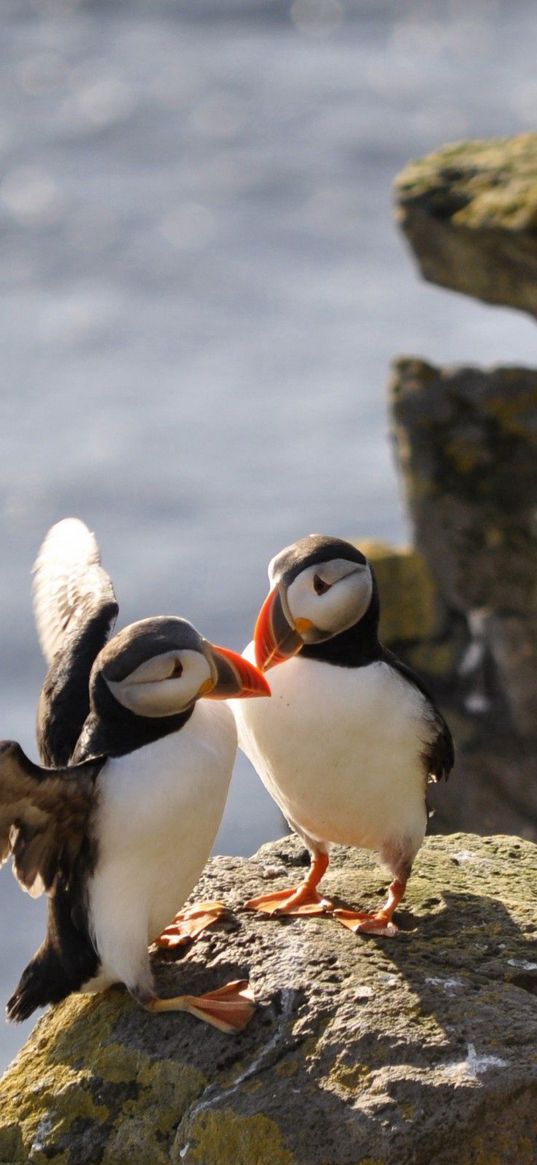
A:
469,211
419,1050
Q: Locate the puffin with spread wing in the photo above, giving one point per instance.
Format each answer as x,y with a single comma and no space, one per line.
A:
117,832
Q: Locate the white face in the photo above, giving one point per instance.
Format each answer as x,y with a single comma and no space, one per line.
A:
330,595
165,684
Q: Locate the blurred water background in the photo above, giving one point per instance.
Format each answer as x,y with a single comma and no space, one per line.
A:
201,290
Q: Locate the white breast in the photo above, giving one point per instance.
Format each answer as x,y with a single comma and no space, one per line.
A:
158,811
339,750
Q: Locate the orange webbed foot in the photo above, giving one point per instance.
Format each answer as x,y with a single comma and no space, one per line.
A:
190,923
376,921
301,899
229,1008
361,922
297,901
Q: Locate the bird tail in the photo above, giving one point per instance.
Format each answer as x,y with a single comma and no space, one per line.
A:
64,962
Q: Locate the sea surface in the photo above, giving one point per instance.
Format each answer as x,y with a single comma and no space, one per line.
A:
202,287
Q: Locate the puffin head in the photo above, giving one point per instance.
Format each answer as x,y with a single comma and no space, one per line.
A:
160,667
320,587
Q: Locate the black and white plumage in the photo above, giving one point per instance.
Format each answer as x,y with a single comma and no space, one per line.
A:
351,737
75,610
118,832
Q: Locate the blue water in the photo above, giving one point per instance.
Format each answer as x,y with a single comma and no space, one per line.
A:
201,291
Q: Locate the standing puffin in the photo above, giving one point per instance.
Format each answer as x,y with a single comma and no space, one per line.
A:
351,737
118,832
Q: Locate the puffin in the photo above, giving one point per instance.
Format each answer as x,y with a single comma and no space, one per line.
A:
351,737
116,825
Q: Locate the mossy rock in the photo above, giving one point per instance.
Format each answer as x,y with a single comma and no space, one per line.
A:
419,1050
467,444
469,212
410,603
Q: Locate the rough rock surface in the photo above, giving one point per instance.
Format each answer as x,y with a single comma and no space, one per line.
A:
420,1050
415,620
466,441
411,609
469,212
467,445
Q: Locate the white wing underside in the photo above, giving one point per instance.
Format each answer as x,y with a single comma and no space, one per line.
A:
67,575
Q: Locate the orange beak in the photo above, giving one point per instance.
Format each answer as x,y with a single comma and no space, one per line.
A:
275,639
236,678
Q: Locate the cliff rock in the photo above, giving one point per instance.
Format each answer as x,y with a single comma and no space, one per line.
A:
469,212
419,1050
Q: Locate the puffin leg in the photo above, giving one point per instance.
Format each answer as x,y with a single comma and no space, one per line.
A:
229,1008
375,922
301,899
189,923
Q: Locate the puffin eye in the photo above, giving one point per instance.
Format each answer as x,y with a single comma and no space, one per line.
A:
320,587
177,669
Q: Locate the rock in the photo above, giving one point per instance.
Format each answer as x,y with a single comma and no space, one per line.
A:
469,212
415,622
411,607
467,442
418,1050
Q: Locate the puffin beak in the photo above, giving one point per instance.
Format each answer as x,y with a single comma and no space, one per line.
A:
235,677
275,638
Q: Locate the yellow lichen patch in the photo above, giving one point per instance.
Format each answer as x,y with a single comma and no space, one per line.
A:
429,1030
494,537
464,455
38,1086
73,1072
494,181
514,412
287,1068
437,659
470,213
224,1137
479,1151
409,597
169,1088
129,1143
347,1079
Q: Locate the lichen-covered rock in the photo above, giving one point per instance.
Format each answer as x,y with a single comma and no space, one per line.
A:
418,1050
411,608
415,621
466,440
467,446
469,212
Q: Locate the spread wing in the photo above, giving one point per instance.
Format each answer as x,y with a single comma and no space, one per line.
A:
75,610
44,816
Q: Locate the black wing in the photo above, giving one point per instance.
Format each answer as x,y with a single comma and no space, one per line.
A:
439,755
75,610
44,817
